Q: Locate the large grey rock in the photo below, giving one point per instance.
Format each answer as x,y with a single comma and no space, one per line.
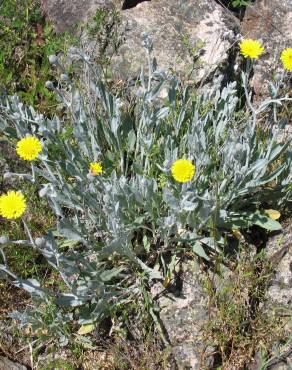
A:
279,250
178,29
65,14
270,22
6,364
183,313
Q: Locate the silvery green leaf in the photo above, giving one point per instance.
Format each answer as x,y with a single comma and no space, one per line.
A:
261,219
70,231
63,341
69,300
173,90
199,250
32,286
187,205
153,93
272,89
108,275
152,273
160,113
210,242
170,200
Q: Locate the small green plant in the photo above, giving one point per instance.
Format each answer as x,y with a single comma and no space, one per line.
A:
58,364
98,22
43,322
104,28
27,41
240,3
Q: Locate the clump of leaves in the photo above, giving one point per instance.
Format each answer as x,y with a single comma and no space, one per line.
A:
240,3
132,215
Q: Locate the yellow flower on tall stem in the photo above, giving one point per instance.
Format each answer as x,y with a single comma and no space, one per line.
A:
12,204
29,148
183,170
251,48
286,58
95,168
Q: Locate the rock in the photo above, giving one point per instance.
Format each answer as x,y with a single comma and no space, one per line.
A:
179,30
6,364
65,14
269,22
279,250
183,314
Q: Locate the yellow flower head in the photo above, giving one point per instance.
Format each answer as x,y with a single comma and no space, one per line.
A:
251,48
29,148
95,168
12,204
183,170
286,57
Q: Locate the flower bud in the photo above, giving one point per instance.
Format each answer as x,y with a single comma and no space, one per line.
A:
49,85
16,115
4,239
53,59
40,242
7,175
64,77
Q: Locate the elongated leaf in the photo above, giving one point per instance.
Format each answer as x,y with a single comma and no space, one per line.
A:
199,250
262,220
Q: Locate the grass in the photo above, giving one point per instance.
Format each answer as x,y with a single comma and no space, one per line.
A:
27,41
104,28
240,324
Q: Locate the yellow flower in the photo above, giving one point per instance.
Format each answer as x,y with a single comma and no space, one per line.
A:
183,170
12,204
251,48
29,148
95,168
286,57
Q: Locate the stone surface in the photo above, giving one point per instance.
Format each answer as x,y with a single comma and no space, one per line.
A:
6,364
64,14
183,313
279,249
177,29
270,22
